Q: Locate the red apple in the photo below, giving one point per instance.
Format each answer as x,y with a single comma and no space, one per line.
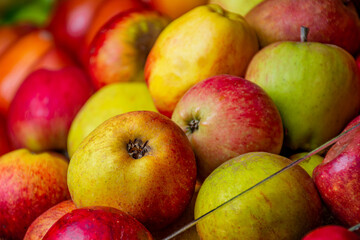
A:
330,21
75,22
5,145
97,223
42,224
331,232
338,177
29,185
43,108
174,8
225,116
118,52
140,162
30,52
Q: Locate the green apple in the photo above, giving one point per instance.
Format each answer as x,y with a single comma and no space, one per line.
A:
285,207
308,164
241,7
107,102
315,86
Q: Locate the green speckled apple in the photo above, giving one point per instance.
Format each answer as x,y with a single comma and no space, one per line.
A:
315,86
285,207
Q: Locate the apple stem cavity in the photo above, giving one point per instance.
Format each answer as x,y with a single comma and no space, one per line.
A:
137,149
193,125
304,31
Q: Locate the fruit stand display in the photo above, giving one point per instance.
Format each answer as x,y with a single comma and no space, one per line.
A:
181,119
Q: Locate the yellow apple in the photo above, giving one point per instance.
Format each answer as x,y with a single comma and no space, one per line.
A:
308,164
241,7
140,162
202,43
107,102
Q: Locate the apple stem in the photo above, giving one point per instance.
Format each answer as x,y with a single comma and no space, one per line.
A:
304,31
137,149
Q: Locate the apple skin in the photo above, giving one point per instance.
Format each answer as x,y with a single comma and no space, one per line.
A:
174,8
181,57
43,108
285,207
338,177
241,7
30,184
308,80
75,22
119,50
97,223
155,188
5,145
24,56
42,224
234,115
330,21
308,164
331,232
107,102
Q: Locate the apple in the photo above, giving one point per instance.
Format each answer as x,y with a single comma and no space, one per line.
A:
97,223
25,56
315,86
140,162
174,8
202,43
42,224
118,52
107,10
330,21
185,218
225,116
111,100
75,22
285,207
308,164
241,7
5,145
30,184
331,232
43,108
338,177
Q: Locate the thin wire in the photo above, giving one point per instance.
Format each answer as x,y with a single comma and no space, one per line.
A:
354,228
315,151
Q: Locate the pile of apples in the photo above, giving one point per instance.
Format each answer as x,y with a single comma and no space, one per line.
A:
128,119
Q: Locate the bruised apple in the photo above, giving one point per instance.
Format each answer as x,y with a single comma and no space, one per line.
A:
97,223
30,184
140,162
225,116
